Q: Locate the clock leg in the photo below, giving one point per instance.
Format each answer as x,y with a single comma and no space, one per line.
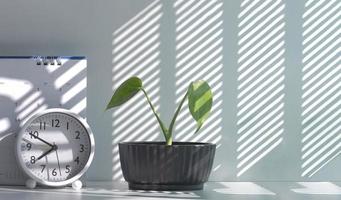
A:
30,183
77,185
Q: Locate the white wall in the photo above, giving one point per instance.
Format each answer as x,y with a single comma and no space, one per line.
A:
94,29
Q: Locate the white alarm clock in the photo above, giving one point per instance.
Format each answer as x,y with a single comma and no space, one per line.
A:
55,148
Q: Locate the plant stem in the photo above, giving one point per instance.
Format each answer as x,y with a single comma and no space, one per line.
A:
171,126
163,128
169,140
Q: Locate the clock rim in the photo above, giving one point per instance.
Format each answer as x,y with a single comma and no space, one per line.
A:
76,176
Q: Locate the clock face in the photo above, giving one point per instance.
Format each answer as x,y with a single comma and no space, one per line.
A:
55,147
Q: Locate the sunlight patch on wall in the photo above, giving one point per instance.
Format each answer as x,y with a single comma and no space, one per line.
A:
199,47
136,53
260,80
321,93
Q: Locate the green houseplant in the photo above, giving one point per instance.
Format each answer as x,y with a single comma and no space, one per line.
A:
164,165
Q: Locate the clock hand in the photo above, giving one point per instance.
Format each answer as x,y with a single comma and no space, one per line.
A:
36,137
60,172
47,152
47,168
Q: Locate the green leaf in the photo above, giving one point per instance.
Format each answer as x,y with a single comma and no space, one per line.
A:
199,101
125,92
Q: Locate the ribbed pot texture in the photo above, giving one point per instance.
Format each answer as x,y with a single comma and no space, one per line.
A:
155,166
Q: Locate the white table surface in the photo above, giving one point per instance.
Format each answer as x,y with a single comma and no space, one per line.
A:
212,191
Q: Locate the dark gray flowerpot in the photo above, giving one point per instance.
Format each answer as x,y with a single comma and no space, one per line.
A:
155,166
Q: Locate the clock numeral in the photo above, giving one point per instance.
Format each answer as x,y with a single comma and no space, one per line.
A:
54,173
82,148
55,123
28,146
33,160
67,169
34,134
78,134
43,167
77,160
42,125
67,125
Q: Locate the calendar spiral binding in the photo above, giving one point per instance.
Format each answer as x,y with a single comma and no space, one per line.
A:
47,60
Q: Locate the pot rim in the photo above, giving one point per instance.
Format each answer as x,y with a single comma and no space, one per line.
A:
159,143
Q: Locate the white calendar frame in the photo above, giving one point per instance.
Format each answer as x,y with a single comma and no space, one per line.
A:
29,84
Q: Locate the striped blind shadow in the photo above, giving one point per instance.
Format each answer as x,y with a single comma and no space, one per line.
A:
199,56
71,82
321,94
63,86
260,81
136,53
